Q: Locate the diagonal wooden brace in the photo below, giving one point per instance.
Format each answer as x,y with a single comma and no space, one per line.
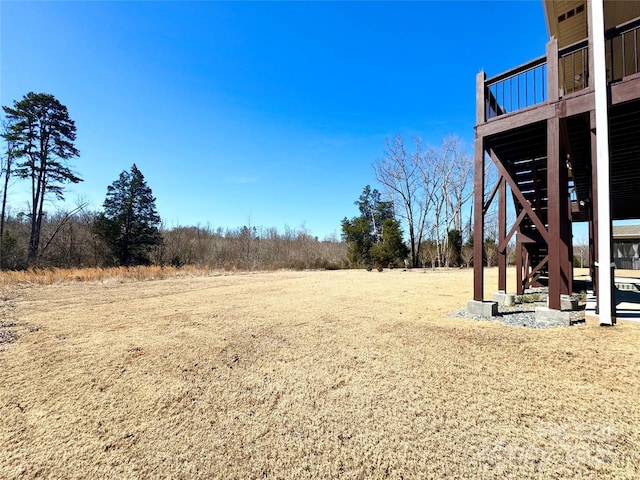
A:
492,195
518,194
505,241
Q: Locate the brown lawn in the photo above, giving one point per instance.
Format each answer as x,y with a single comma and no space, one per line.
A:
342,374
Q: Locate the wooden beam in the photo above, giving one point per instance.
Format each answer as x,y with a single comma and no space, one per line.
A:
626,90
521,118
578,104
575,105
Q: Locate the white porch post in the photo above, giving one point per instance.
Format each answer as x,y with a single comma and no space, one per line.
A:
605,306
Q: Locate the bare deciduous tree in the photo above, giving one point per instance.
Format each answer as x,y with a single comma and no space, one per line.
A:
467,254
61,225
427,186
490,252
401,175
581,252
6,168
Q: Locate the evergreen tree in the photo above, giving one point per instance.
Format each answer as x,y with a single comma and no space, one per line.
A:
374,210
357,233
375,235
454,248
41,135
129,224
391,247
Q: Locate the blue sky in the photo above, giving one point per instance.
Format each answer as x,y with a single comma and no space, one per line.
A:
269,113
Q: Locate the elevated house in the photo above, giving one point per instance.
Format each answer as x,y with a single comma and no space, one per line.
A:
626,247
563,131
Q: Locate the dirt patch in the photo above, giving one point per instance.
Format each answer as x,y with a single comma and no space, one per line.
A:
348,374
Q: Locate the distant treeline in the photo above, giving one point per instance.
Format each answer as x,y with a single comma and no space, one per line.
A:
68,239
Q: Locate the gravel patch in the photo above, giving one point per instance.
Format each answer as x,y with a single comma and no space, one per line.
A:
7,326
7,336
523,314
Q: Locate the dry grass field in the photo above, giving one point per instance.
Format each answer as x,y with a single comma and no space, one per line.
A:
332,374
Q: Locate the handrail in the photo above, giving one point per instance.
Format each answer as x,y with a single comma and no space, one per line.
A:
519,88
622,28
580,44
515,71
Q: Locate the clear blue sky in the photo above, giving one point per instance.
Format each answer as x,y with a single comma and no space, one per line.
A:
263,112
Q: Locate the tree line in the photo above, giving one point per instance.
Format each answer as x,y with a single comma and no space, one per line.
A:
423,190
69,239
39,136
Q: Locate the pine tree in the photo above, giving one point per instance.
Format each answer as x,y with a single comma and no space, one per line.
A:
375,236
373,208
129,224
42,135
391,247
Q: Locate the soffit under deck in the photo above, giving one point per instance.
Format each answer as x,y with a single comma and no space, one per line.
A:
567,19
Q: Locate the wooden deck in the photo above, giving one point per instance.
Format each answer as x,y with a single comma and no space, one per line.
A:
537,124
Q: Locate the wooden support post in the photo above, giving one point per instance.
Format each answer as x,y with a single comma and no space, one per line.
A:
566,251
558,203
478,222
519,265
556,197
480,98
478,194
567,245
553,81
569,258
526,269
502,232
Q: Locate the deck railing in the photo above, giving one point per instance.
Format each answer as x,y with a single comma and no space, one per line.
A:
528,85
623,51
573,68
516,89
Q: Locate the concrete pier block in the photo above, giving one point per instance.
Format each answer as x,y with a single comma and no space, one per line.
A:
547,314
484,309
505,299
568,303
